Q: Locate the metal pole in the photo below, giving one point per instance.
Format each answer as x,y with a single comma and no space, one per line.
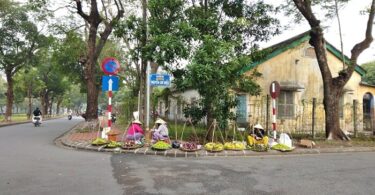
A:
355,117
268,113
313,118
139,101
274,112
148,97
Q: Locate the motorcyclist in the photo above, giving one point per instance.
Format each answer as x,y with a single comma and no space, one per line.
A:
37,112
70,114
37,118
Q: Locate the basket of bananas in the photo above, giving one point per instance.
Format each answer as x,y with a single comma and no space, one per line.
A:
282,148
161,145
214,147
113,144
99,142
234,145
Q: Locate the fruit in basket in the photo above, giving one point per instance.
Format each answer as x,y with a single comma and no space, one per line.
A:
190,146
236,145
260,148
281,147
161,145
113,144
211,146
99,141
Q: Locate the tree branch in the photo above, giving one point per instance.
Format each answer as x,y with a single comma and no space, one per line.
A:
360,47
80,11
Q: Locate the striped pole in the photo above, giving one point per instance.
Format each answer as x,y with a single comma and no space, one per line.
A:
274,111
109,108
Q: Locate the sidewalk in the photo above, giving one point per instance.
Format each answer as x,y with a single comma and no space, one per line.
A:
83,141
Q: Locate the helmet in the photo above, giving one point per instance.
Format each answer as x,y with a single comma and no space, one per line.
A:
258,126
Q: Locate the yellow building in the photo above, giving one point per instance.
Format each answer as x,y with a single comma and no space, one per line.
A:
293,64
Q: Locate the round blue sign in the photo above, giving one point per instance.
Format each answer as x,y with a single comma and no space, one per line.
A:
110,66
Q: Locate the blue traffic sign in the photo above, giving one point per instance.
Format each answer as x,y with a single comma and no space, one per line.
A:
110,66
160,80
110,83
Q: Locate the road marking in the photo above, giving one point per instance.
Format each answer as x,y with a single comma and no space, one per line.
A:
145,151
136,150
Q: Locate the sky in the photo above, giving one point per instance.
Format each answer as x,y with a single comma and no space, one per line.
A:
353,26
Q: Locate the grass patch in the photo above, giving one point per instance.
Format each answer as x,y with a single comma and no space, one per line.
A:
16,117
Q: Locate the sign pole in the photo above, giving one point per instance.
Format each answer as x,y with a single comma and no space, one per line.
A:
148,97
275,92
273,113
110,67
109,108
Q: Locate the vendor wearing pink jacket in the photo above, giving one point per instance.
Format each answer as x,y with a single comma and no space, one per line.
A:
135,131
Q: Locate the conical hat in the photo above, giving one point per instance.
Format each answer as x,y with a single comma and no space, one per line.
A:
137,121
160,121
258,126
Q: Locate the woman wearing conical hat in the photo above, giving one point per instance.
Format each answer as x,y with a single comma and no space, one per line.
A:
161,130
135,131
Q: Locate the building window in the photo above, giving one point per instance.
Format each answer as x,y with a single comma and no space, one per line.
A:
285,104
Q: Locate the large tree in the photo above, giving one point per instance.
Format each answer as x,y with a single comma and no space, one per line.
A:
333,85
95,43
19,39
215,40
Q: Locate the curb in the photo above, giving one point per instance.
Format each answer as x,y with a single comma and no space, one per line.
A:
24,122
174,153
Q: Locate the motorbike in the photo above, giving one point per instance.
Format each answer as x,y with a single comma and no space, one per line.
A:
113,118
37,120
69,117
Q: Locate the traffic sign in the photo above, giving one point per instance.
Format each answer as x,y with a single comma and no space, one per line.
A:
110,83
110,66
160,80
275,89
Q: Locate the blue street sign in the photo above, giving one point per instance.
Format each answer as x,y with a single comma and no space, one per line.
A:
110,83
160,80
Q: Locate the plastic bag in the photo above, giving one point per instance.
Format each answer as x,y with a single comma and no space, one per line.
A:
285,139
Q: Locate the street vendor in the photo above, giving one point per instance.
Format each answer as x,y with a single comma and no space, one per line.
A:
135,131
160,132
257,136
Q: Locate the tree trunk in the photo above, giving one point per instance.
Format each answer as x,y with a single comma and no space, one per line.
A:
210,126
50,106
30,102
92,100
10,96
58,106
44,99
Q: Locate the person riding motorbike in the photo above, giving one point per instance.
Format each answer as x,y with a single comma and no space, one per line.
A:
70,114
37,117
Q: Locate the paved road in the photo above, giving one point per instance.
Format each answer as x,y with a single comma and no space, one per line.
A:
30,163
308,174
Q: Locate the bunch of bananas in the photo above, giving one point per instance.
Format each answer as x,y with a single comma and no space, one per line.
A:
113,144
99,141
161,145
281,147
214,147
236,145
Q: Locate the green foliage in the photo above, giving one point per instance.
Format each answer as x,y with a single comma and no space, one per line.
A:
370,72
217,40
